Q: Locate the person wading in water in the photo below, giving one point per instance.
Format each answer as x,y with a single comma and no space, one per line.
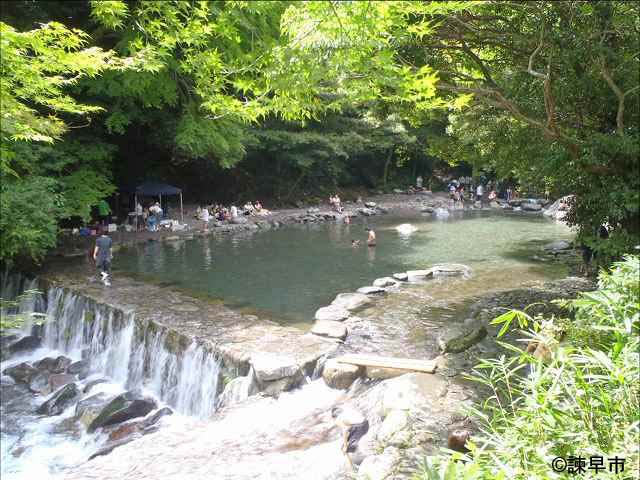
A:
102,255
371,239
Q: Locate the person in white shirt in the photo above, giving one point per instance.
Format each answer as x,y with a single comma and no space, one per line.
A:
479,192
234,211
205,219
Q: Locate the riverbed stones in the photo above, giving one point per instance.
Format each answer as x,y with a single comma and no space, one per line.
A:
330,329
340,375
122,408
334,313
60,400
351,301
21,373
269,367
371,290
417,275
384,282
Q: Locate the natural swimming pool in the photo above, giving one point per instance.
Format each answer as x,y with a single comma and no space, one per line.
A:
287,274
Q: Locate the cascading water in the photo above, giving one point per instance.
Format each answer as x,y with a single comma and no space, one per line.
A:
135,356
129,354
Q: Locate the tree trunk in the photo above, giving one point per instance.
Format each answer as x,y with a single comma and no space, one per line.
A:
387,163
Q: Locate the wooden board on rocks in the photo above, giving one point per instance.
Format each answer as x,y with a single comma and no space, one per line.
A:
409,364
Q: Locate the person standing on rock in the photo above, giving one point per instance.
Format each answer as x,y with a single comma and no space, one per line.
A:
354,426
479,192
102,254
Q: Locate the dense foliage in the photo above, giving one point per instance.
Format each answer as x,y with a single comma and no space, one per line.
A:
285,99
583,401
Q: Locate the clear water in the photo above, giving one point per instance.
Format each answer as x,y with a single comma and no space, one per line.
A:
287,274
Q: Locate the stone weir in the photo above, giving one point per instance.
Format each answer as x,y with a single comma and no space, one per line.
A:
185,350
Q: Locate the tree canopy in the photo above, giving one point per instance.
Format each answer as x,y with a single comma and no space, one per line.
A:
281,98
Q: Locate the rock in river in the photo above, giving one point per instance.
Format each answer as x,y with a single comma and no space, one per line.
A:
340,375
415,275
332,313
371,290
124,407
351,301
53,365
268,367
384,282
60,400
21,373
329,328
88,409
29,342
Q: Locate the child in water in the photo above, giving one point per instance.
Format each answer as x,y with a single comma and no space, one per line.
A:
371,239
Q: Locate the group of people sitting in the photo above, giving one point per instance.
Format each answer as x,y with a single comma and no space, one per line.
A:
221,213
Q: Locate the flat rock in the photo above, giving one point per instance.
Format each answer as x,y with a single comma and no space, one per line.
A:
402,277
329,328
384,282
462,341
367,212
332,313
351,301
340,375
371,290
60,400
380,467
415,275
558,245
370,204
412,391
531,207
269,367
451,269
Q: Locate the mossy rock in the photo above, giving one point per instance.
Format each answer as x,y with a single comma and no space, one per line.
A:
463,342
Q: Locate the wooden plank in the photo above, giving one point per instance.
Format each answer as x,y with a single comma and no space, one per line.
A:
410,364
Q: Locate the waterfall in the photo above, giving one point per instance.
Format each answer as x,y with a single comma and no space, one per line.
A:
12,286
181,372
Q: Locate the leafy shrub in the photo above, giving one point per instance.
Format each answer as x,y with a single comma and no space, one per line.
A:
583,400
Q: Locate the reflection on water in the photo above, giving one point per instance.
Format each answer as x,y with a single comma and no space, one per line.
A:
289,273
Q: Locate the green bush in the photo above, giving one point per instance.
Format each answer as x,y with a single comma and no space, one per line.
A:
583,400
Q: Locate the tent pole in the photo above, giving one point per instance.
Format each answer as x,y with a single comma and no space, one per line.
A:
135,209
181,210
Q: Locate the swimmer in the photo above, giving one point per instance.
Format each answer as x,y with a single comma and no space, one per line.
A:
371,239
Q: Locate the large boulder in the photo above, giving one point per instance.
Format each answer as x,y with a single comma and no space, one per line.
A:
88,409
385,282
21,373
53,365
122,408
268,367
329,328
394,422
60,400
332,313
411,391
340,375
371,290
30,342
351,301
